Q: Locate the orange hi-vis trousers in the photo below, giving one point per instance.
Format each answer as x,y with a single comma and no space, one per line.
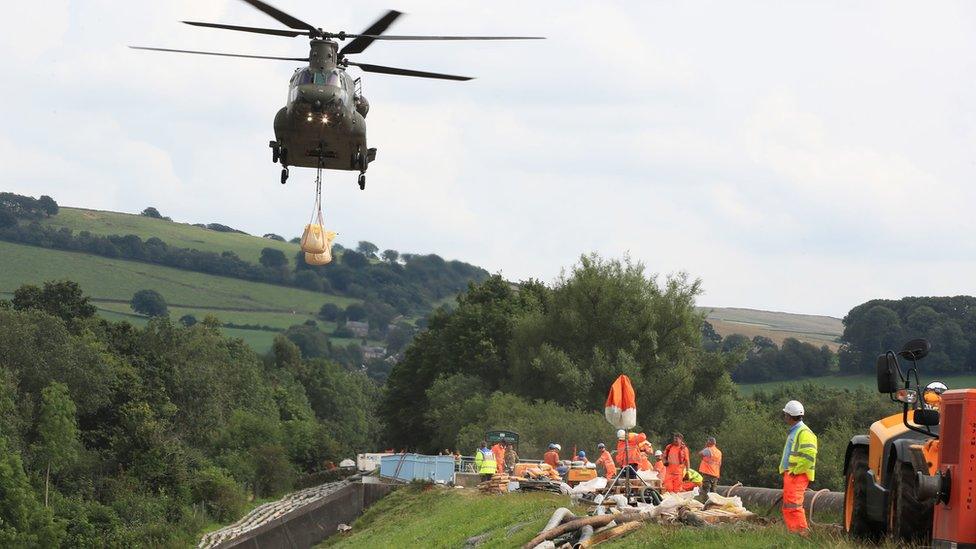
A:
794,487
673,478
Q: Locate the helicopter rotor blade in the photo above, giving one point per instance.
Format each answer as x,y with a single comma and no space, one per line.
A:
362,41
222,54
407,72
258,30
421,37
282,17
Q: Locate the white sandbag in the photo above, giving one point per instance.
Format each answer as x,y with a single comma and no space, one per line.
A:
597,484
648,475
731,504
313,239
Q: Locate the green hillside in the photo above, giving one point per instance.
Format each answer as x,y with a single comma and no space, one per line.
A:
869,382
111,283
181,235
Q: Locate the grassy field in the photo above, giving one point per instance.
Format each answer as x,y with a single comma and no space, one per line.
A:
111,283
181,235
864,382
814,329
447,517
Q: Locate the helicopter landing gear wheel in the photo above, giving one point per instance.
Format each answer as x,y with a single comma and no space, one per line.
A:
284,175
275,152
362,182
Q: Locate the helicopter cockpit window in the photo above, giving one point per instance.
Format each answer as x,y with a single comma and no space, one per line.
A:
330,78
303,77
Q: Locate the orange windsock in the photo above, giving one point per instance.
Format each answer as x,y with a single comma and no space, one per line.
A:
621,407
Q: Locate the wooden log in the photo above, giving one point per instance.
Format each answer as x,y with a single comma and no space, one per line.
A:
612,533
597,521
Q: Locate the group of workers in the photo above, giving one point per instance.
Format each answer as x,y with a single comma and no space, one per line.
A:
499,458
673,464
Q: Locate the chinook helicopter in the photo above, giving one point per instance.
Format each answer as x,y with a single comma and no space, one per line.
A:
323,124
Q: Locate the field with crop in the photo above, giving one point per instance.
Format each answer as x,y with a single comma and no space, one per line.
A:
446,517
814,329
180,235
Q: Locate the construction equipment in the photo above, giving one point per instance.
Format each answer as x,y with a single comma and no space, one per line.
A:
913,476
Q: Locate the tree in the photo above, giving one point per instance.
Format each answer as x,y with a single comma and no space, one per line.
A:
188,320
355,312
48,204
7,218
151,212
23,521
390,256
149,303
63,299
273,259
367,248
272,236
354,260
329,312
57,431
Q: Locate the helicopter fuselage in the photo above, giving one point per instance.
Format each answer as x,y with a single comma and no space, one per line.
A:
323,123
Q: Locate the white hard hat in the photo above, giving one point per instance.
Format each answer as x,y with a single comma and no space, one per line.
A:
793,408
621,434
658,453
558,447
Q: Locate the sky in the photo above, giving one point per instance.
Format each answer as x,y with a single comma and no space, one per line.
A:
794,156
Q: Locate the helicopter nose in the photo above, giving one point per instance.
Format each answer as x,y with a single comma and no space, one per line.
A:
319,96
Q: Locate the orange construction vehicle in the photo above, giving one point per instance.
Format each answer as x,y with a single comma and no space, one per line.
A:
913,476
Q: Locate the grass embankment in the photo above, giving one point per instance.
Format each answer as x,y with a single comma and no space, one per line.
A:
180,235
868,382
448,517
112,282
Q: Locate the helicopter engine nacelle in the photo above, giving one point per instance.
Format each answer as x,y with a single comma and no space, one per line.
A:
362,106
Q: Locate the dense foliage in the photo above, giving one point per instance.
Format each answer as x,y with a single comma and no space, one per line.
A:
560,348
794,360
949,323
147,434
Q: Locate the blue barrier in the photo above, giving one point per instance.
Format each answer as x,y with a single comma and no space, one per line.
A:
408,467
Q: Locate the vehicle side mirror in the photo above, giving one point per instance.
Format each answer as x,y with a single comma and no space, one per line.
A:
888,377
916,349
928,418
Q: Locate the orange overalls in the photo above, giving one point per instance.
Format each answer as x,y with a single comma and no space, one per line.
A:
607,463
677,458
499,451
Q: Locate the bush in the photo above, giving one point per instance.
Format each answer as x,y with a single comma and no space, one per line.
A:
151,212
149,303
221,496
330,312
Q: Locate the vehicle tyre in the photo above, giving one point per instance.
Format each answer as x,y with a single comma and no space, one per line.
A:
909,519
856,521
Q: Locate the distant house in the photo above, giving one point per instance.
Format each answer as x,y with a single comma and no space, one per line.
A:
358,329
370,353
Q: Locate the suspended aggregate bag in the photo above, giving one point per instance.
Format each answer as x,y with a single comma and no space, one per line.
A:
314,239
325,257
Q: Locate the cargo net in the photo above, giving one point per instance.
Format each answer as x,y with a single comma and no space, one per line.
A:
316,241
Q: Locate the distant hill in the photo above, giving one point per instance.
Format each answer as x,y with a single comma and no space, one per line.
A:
814,329
201,271
182,235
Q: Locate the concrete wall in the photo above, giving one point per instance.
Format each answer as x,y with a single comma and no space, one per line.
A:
312,523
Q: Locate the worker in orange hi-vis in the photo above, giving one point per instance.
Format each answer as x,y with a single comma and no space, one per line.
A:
798,466
711,465
659,464
677,458
606,461
551,456
499,451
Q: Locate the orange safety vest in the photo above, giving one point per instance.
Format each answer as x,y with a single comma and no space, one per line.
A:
711,465
643,463
677,455
607,463
552,458
632,453
659,467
